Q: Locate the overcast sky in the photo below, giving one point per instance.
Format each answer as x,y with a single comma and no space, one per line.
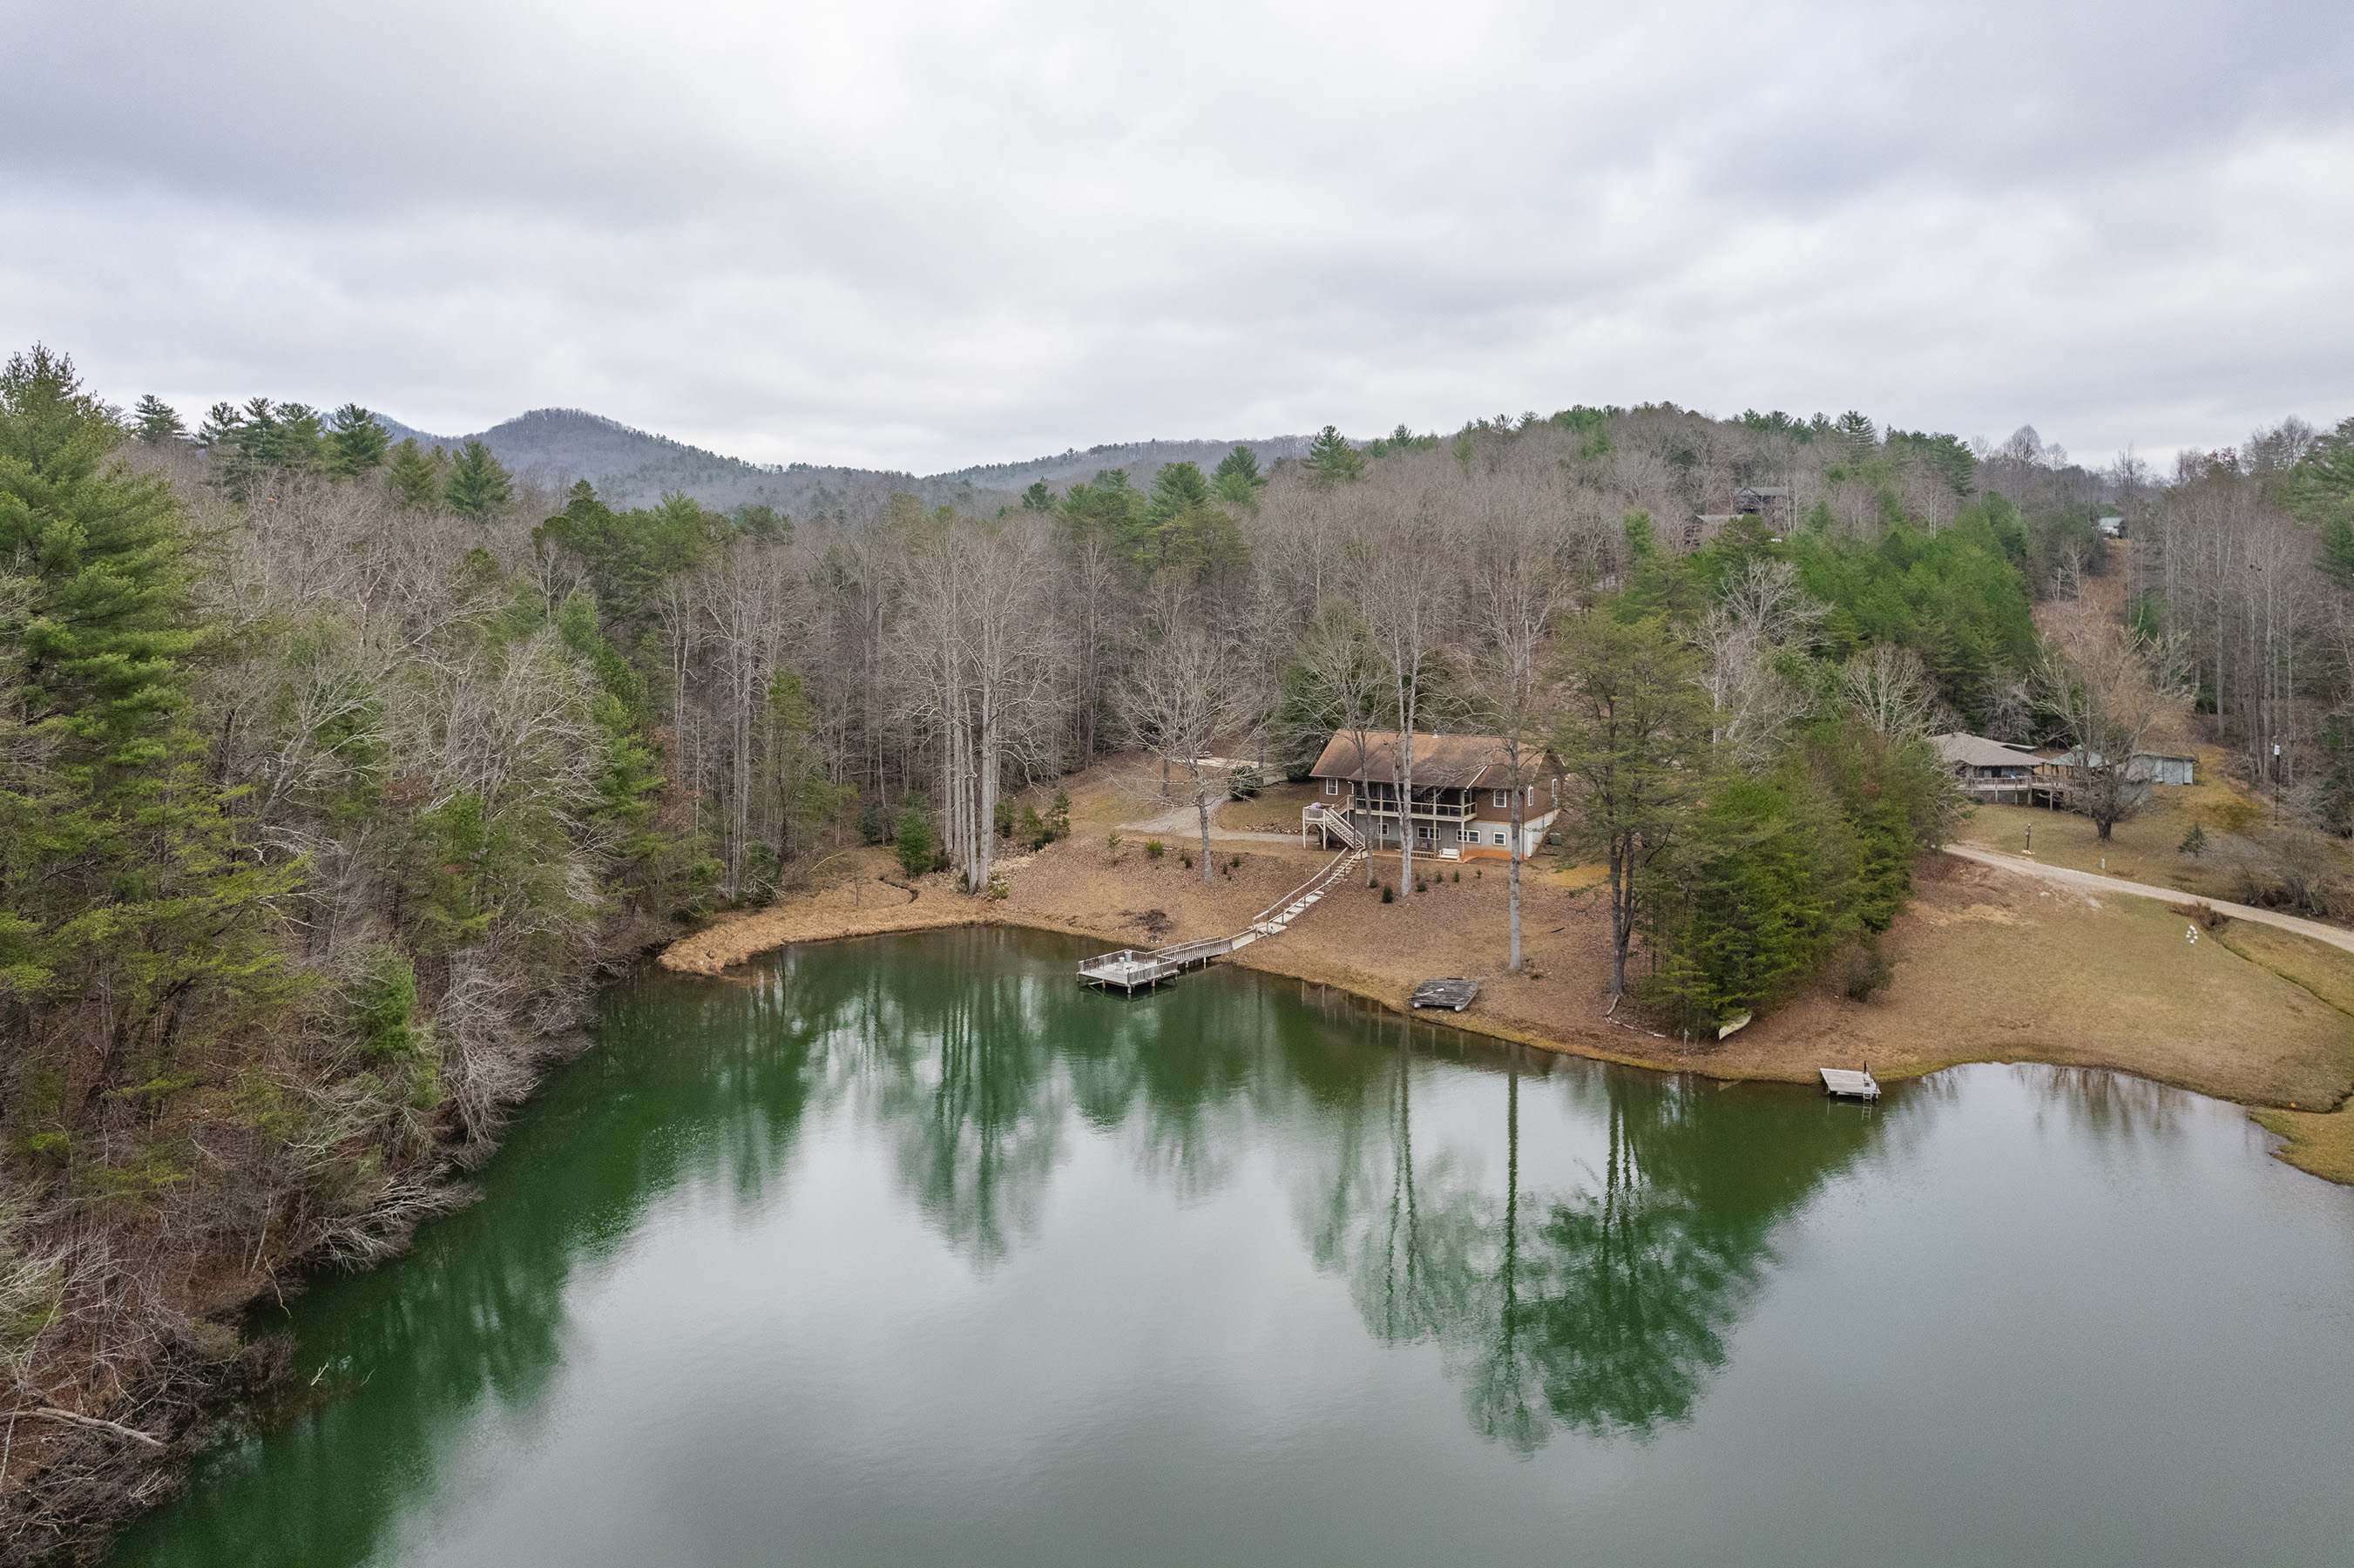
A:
920,237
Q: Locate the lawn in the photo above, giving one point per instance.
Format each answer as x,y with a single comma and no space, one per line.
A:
2147,846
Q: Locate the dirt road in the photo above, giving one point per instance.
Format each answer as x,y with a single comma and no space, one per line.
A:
2093,882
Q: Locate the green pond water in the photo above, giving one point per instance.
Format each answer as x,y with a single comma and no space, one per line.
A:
909,1251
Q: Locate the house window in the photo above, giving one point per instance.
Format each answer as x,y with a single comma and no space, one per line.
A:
1503,798
1471,835
1500,838
1422,830
1331,786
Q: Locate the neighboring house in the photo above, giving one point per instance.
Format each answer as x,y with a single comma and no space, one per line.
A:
2146,768
1462,804
1989,770
1768,501
1704,527
2111,528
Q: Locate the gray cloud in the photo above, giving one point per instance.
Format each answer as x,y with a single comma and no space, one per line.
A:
920,236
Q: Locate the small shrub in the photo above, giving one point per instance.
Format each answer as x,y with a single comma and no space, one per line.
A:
997,889
1243,783
2302,862
1459,873
1234,862
1476,873
1035,835
1002,815
760,876
915,837
874,823
2194,843
2202,912
1112,841
1386,894
1059,815
1186,858
384,1005
1861,969
1154,849
1420,886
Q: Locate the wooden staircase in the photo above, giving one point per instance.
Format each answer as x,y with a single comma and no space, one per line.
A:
1130,969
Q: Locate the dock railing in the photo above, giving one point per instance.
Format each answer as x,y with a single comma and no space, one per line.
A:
1131,967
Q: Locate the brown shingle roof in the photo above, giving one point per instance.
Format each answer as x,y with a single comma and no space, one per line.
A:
1440,761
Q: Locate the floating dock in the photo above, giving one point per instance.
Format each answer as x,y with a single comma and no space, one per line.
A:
1453,993
1845,1085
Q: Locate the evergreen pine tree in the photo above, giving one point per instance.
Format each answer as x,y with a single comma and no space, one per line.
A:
132,925
294,440
2338,547
1330,459
356,444
1237,480
416,477
477,486
154,421
914,836
220,427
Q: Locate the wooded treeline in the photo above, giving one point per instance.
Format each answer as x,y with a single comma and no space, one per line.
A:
332,770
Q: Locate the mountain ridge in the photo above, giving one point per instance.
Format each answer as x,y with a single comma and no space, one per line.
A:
631,466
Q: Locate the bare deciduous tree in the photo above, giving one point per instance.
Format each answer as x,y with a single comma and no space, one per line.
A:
1518,590
2112,691
1184,692
1761,611
1887,688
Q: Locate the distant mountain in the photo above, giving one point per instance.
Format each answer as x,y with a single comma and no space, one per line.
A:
1140,460
629,467
634,467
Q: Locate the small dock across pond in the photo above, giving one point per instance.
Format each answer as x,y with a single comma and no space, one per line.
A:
1137,969
1845,1085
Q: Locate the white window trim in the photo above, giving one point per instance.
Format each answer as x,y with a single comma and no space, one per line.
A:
1331,786
1500,838
1503,799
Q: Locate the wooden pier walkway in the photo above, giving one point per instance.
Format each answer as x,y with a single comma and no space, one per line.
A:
1131,970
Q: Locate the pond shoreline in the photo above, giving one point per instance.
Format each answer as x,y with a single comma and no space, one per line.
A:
904,1179
2319,1142
2303,1101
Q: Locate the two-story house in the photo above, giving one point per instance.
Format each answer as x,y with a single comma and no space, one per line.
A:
1462,804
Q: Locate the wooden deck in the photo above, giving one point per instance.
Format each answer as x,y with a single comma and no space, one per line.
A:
1132,969
1844,1083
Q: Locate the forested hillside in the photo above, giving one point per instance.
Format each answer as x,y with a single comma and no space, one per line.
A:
333,769
630,467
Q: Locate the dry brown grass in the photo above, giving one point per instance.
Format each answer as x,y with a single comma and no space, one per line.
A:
1989,966
2319,1141
2145,846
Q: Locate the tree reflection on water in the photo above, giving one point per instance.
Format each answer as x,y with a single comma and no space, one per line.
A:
1601,1309
979,1066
